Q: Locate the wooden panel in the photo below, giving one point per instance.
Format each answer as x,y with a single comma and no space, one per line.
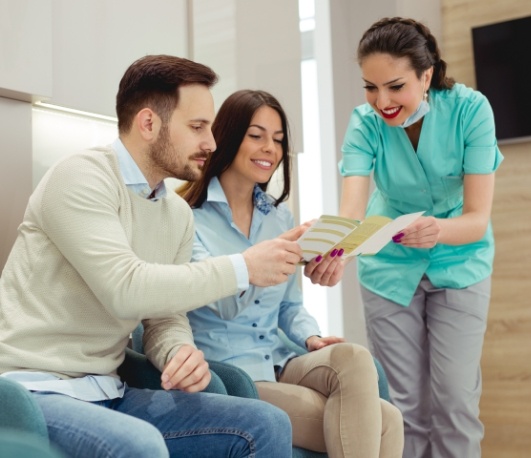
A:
506,364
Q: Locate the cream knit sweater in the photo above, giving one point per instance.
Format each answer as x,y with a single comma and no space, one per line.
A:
90,261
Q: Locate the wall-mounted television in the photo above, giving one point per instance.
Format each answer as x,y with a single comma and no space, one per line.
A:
502,62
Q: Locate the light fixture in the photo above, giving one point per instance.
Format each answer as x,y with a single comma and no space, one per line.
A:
49,106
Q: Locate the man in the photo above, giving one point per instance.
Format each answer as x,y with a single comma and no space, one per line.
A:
103,247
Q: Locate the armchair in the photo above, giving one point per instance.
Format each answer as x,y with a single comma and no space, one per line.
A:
23,430
238,383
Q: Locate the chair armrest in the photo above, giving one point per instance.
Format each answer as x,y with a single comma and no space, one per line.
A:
383,383
16,444
20,410
138,372
237,382
303,453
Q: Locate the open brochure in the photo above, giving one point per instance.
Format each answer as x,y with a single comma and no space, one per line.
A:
355,237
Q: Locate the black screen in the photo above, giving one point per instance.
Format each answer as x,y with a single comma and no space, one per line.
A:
502,59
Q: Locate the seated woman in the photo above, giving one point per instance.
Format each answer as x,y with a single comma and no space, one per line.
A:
330,393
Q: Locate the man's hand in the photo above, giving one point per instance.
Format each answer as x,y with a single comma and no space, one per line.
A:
315,342
272,261
186,371
325,271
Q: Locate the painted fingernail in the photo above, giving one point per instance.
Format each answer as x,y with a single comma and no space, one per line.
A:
340,252
334,252
398,237
318,258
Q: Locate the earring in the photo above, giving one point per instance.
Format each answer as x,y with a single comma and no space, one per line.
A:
426,96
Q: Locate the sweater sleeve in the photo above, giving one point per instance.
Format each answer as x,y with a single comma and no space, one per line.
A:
80,211
163,337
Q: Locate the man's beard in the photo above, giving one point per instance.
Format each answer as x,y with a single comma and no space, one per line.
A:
165,158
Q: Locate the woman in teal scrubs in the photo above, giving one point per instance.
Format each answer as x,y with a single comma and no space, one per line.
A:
430,144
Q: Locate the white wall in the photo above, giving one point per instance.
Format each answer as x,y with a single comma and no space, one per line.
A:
253,44
94,41
15,169
71,53
57,134
25,49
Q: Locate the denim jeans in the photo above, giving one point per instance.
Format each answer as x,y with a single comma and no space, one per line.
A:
158,423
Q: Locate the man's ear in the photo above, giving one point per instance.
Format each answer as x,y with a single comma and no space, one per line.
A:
148,124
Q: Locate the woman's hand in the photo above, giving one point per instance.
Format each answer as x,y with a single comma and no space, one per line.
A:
422,233
315,342
326,271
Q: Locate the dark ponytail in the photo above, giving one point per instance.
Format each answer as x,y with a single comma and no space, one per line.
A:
403,37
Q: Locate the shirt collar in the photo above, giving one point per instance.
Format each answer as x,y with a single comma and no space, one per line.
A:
215,192
262,201
132,175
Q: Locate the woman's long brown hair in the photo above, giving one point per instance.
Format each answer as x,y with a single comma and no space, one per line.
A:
229,129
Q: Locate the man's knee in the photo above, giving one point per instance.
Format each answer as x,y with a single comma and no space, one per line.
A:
270,429
152,445
274,416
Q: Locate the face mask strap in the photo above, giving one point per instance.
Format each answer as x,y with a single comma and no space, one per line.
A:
420,112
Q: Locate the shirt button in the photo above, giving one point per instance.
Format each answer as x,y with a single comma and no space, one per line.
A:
256,301
254,325
266,356
261,337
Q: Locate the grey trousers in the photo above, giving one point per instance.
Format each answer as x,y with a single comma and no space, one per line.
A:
431,352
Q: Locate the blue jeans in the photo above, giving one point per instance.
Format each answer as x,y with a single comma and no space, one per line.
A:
158,423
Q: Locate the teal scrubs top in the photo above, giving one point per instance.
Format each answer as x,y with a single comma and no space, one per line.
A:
457,138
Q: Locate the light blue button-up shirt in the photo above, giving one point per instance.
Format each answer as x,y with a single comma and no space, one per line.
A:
243,329
101,387
457,138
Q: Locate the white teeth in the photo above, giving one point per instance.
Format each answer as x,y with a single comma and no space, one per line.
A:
391,111
264,163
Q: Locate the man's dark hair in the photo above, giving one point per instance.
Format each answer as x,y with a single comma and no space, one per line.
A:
153,81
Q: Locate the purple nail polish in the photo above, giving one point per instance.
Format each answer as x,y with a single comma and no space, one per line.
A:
398,237
340,252
334,252
318,258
